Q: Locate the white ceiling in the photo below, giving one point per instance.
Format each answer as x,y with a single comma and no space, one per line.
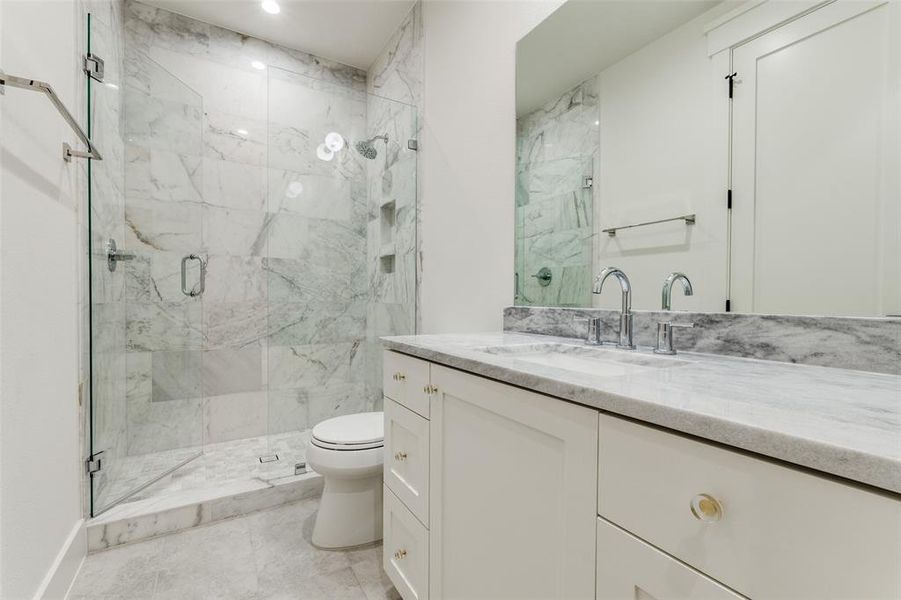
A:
584,37
352,32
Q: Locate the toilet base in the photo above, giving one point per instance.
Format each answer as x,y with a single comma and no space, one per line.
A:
350,512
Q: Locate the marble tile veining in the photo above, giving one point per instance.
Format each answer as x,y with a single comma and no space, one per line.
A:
865,344
846,423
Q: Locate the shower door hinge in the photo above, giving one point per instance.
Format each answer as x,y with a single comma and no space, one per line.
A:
587,182
94,463
729,199
412,145
728,305
93,66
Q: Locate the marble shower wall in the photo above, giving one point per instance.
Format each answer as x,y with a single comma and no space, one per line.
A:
316,260
864,344
556,149
397,72
394,83
222,162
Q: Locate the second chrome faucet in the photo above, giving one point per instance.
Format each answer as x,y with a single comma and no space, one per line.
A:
664,328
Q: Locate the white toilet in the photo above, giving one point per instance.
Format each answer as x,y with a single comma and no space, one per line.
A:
347,452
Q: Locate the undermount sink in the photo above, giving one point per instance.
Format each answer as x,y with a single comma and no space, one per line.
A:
593,360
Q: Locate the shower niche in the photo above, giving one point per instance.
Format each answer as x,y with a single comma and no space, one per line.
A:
388,220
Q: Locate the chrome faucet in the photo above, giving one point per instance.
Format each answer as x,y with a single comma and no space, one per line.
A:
667,296
665,328
625,317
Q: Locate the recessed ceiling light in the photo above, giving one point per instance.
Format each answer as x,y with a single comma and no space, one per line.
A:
257,65
271,7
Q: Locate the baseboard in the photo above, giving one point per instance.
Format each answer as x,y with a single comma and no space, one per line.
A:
65,567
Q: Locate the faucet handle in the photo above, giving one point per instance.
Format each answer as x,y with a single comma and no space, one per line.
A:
594,329
665,336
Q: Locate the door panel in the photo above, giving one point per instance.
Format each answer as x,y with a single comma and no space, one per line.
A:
513,510
815,165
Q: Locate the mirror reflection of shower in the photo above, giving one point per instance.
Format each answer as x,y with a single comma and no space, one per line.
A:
367,149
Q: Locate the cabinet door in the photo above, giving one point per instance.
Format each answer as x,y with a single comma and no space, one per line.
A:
513,492
631,568
407,458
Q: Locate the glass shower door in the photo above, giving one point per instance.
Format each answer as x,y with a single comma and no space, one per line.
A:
340,253
145,229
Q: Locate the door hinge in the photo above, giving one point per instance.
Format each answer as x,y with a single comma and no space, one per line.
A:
728,305
93,66
731,79
94,463
729,199
413,145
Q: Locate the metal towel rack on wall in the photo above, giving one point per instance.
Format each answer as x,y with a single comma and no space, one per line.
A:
40,86
689,220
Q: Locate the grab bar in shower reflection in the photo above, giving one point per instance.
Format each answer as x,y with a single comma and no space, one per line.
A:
40,86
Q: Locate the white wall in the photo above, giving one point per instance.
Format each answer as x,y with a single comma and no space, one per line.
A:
663,153
467,159
40,505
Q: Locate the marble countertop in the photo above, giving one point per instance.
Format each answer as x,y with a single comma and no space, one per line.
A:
846,423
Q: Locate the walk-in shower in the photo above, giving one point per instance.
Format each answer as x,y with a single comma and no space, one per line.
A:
260,275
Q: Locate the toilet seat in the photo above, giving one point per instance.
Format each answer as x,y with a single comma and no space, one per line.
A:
362,431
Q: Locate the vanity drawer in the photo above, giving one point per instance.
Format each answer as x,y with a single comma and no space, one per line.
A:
631,568
407,457
765,530
405,380
405,550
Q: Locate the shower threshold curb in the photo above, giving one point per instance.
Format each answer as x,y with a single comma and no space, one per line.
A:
144,519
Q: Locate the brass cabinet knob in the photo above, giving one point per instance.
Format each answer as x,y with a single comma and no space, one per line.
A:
400,554
400,456
430,389
706,508
399,377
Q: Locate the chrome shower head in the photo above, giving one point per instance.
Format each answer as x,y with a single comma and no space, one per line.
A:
366,148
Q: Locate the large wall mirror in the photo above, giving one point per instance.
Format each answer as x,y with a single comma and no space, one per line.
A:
783,198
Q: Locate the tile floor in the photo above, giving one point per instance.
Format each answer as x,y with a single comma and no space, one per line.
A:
263,555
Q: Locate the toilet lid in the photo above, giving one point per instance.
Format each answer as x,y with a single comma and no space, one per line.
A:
351,431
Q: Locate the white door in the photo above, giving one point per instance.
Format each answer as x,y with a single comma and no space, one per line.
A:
513,496
815,221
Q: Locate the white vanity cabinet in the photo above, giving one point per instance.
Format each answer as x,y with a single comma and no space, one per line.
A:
506,493
764,529
407,389
512,498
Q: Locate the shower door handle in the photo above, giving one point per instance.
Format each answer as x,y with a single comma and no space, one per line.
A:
194,291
